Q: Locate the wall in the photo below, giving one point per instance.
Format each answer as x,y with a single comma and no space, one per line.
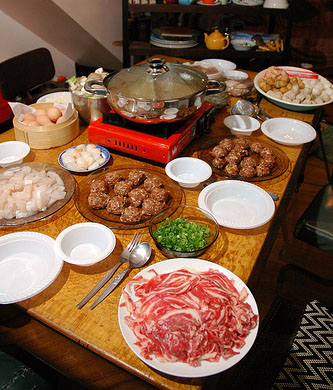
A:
73,30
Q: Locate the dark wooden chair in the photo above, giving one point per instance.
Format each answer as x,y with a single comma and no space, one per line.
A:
28,76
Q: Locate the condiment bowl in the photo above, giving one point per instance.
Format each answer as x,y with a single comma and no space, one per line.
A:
183,231
242,44
13,152
241,124
188,171
85,243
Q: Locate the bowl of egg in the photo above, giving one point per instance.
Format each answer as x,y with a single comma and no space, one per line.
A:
46,125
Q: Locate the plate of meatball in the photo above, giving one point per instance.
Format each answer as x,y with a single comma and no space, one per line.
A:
244,159
126,198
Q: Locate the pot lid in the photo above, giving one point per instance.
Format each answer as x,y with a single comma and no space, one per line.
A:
158,80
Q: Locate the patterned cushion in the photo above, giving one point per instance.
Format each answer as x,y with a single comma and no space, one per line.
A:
309,364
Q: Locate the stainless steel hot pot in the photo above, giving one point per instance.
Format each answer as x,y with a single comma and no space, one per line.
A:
154,92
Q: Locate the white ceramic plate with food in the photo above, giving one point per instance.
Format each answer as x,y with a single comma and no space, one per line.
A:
84,158
28,265
61,97
178,368
307,74
288,131
237,204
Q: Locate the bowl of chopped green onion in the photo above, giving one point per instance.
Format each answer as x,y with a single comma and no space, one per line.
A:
183,231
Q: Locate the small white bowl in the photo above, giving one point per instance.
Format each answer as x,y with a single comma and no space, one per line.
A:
188,171
242,44
241,124
85,243
224,64
207,67
287,131
235,75
13,152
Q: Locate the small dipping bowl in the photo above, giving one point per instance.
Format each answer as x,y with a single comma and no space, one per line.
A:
188,171
85,243
235,75
241,124
242,44
13,152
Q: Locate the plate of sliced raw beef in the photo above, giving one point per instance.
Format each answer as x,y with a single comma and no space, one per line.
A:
188,317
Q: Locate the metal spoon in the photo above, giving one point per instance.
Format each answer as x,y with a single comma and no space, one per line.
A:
244,107
138,258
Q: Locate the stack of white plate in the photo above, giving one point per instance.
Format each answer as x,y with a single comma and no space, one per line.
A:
172,44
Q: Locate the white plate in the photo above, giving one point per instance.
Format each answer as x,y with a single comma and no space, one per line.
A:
103,150
202,3
287,105
224,64
237,204
173,46
28,264
62,97
182,369
287,131
206,64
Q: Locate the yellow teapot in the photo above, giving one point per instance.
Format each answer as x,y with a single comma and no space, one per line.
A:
216,41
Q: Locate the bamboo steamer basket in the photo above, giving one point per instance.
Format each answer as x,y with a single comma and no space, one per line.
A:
46,137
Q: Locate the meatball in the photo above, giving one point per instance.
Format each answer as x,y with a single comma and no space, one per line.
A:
269,161
219,163
98,200
112,178
131,214
151,206
122,188
241,142
243,151
152,182
262,170
136,176
137,195
99,185
159,194
247,171
116,204
248,162
233,157
219,151
266,152
256,147
232,169
227,143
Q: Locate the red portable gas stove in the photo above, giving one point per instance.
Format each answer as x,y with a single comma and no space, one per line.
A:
157,142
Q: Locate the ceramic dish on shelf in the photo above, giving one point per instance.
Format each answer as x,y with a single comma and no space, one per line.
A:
236,204
288,131
101,215
174,45
180,369
248,3
69,183
281,162
216,2
307,76
28,265
73,159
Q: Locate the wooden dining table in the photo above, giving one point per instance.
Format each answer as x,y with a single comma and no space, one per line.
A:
243,252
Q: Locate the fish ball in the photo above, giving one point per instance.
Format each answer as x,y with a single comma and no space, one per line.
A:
43,120
40,111
29,117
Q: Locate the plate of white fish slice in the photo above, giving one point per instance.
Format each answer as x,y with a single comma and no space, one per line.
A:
84,158
33,191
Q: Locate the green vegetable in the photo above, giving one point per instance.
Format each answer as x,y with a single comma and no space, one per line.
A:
181,235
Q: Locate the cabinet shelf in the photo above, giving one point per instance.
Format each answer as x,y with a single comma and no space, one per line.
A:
145,49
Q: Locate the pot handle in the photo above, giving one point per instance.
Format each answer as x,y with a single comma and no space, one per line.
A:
89,87
215,86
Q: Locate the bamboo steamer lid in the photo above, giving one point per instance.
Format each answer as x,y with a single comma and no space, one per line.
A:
46,137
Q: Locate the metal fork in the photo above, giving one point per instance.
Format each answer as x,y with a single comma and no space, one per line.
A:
136,240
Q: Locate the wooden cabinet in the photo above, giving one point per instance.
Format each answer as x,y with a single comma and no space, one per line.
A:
142,49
